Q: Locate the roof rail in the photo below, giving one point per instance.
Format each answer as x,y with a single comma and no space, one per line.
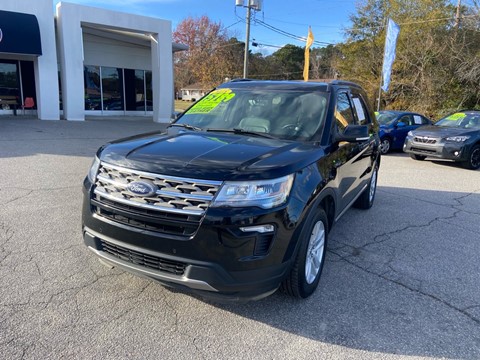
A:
343,82
240,79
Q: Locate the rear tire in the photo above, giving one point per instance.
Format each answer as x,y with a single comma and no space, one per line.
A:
473,162
418,157
365,201
307,269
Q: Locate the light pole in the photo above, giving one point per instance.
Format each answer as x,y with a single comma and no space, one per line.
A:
256,5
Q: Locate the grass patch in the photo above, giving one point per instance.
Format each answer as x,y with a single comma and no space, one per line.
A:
181,105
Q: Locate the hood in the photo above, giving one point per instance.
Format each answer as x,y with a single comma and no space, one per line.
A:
442,131
211,155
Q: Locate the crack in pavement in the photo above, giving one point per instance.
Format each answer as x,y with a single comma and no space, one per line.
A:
31,191
417,291
457,199
388,236
172,308
6,235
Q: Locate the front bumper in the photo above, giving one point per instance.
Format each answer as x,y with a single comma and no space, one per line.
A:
219,261
437,148
216,283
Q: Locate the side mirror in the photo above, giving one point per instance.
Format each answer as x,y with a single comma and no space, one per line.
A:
354,133
175,115
400,125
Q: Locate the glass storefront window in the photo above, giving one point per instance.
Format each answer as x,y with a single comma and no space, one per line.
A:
140,90
9,90
92,88
148,86
112,86
117,89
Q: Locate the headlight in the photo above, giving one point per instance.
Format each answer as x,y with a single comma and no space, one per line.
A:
458,138
264,193
92,173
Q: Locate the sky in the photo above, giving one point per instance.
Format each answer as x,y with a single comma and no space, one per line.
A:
327,18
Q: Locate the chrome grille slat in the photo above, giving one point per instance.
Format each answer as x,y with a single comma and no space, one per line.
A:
143,205
425,140
184,198
196,195
188,196
166,177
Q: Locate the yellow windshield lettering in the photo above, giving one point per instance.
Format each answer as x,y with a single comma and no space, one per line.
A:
456,116
211,101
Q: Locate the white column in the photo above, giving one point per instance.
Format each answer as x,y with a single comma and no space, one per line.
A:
162,75
70,44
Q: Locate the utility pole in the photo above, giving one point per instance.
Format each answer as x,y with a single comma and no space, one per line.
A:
247,41
255,5
457,16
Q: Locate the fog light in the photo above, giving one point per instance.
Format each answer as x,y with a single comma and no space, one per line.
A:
456,153
258,228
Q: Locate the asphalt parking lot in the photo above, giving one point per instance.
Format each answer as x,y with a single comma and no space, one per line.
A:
401,280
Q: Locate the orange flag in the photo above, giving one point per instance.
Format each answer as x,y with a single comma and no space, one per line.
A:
307,53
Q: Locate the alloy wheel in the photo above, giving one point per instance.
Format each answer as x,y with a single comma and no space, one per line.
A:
315,253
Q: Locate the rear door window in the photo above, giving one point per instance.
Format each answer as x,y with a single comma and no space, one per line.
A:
343,112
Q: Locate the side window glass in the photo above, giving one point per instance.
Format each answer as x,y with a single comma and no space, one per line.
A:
406,119
418,120
360,110
425,121
343,112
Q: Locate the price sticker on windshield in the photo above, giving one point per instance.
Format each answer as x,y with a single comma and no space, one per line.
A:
211,101
456,116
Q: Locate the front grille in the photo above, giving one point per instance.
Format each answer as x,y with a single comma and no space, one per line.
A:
424,151
148,261
175,207
425,140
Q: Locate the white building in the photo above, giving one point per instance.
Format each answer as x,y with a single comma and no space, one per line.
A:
84,61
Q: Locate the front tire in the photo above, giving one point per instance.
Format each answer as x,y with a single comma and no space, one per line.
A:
418,157
307,269
385,145
473,162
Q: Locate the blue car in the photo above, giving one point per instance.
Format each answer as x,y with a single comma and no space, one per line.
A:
395,125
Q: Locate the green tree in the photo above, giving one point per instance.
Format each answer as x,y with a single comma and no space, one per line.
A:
428,75
289,60
324,62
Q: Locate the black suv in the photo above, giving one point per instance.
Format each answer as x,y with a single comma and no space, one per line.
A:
236,198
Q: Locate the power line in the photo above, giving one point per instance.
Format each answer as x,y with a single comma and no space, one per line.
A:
413,22
303,39
235,23
287,34
256,43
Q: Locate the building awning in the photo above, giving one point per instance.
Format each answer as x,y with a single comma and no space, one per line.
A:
19,34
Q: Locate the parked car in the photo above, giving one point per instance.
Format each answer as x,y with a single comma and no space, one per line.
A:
394,126
237,197
455,137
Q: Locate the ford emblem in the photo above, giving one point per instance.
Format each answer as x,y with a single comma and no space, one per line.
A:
142,188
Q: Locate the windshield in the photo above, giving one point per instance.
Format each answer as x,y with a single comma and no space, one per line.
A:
284,114
461,120
386,117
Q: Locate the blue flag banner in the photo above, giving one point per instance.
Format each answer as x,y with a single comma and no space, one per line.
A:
389,56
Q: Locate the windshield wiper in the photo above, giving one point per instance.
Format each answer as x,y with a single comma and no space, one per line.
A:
186,126
243,132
